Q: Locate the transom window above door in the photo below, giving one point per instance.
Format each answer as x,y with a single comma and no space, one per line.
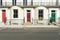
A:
40,14
53,10
15,13
28,10
3,10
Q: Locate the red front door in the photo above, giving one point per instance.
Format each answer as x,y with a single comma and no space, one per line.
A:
3,15
28,17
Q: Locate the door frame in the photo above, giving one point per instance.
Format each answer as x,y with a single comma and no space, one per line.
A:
54,17
57,13
25,14
3,15
28,16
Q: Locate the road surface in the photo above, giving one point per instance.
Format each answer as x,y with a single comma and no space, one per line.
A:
29,34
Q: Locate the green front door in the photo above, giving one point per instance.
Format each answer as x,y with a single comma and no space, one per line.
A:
53,15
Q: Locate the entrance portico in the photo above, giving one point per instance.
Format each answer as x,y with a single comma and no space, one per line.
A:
28,15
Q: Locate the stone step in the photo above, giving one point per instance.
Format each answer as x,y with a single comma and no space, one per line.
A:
28,23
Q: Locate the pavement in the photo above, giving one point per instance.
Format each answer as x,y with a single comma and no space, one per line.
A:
28,26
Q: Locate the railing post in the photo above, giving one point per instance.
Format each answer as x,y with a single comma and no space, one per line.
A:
32,20
10,22
24,20
59,22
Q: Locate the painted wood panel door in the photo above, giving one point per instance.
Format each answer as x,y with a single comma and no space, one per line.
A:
3,15
53,16
28,17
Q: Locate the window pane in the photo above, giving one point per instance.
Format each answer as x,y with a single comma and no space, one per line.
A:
13,2
0,2
15,13
40,14
25,2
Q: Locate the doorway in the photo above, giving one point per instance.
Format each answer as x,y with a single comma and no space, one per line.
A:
3,15
28,15
53,15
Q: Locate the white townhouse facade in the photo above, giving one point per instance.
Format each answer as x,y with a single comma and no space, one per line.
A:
29,11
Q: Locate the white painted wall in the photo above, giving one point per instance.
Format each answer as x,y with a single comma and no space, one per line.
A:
29,2
59,2
57,13
7,13
3,1
20,12
9,2
20,2
25,13
35,2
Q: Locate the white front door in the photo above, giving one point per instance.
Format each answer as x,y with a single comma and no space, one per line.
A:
28,14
